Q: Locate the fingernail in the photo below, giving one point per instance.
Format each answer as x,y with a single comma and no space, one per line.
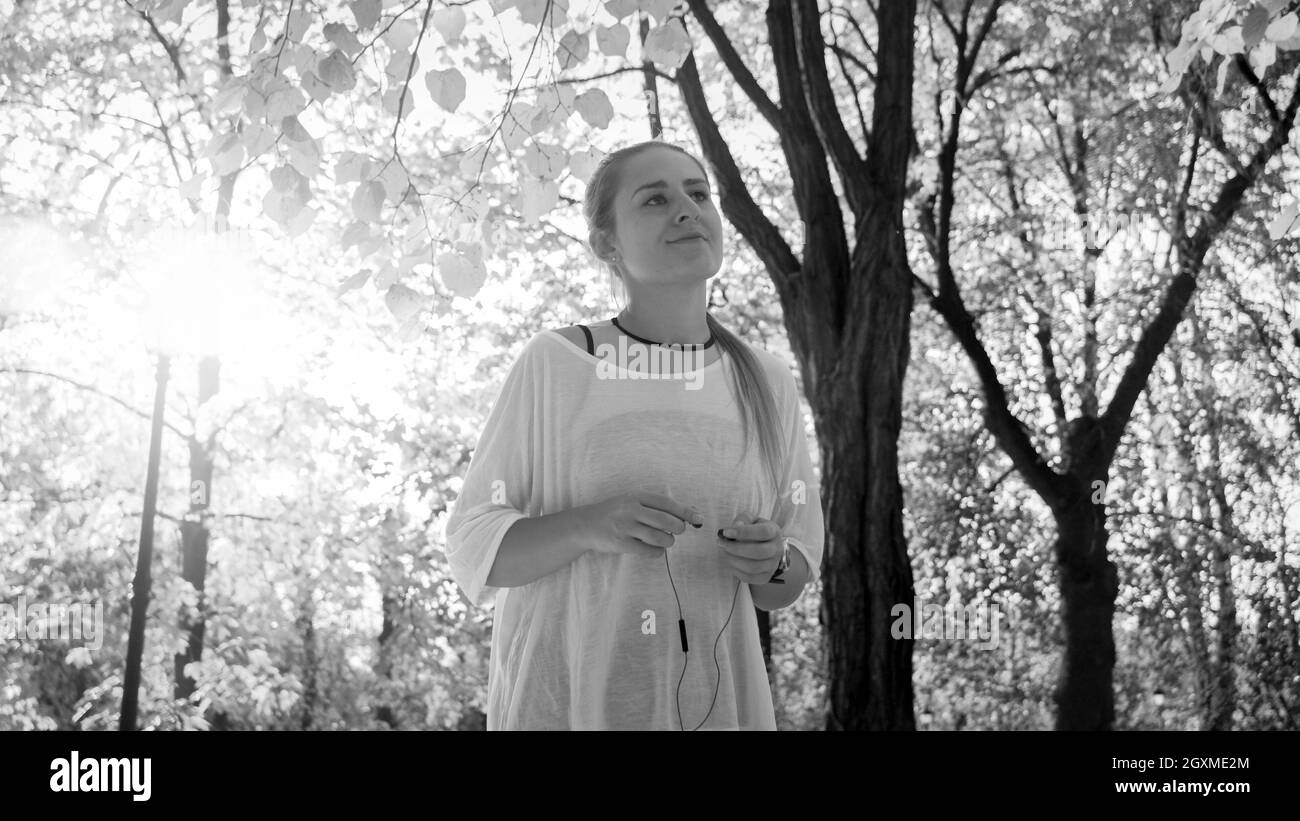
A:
727,534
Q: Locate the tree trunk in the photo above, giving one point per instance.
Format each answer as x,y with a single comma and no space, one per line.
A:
867,568
194,533
306,624
384,666
1085,697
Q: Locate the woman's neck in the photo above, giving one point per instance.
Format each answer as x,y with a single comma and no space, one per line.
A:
666,329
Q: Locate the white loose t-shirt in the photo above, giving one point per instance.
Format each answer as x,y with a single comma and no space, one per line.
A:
595,645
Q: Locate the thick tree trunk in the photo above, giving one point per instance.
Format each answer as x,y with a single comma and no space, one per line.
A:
867,567
1085,697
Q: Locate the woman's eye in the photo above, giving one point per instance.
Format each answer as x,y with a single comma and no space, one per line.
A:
703,194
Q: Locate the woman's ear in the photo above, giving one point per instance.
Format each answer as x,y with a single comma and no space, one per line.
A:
603,248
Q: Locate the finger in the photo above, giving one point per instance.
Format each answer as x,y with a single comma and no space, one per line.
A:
753,551
636,547
754,530
750,571
685,513
659,520
654,536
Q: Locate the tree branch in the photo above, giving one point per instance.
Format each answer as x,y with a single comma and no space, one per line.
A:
1191,258
811,50
92,389
739,71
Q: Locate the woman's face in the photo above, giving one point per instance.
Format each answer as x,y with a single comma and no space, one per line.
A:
663,199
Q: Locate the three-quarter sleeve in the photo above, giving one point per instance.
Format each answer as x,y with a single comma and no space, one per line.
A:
798,509
498,484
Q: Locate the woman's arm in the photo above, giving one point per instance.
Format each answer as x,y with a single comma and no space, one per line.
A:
538,546
639,524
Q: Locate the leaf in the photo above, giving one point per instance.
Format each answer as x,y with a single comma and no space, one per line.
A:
573,49
387,276
545,161
1283,28
352,283
301,221
1229,42
582,164
410,329
299,21
450,22
367,200
355,234
350,167
395,181
192,188
658,9
401,35
471,165
403,302
230,97
257,138
1284,223
618,9
366,12
394,95
229,160
220,143
537,197
1252,30
169,11
294,130
304,58
613,40
336,71
284,178
342,36
317,90
459,274
1263,57
284,101
595,107
446,87
668,44
531,11
516,125
399,64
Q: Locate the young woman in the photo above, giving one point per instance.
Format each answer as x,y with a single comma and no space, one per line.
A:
625,518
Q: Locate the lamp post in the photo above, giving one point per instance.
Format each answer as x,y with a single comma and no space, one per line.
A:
142,585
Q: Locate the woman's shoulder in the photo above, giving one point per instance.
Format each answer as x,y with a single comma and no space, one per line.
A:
776,368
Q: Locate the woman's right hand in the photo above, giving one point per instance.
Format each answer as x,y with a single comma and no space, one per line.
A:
643,524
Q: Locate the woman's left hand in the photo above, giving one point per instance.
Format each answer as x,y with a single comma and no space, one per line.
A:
755,551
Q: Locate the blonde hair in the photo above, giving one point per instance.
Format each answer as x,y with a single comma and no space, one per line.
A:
749,384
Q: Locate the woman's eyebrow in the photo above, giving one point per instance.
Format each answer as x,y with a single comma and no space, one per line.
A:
662,184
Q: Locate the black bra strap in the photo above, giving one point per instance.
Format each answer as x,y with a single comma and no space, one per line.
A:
591,345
